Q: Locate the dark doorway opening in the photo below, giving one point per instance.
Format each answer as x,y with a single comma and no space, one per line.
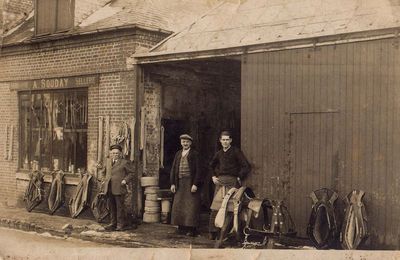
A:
200,98
172,130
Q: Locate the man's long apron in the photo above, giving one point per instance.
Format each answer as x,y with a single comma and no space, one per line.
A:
186,206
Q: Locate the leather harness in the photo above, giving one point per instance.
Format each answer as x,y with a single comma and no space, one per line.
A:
33,194
56,195
322,227
100,206
354,230
78,202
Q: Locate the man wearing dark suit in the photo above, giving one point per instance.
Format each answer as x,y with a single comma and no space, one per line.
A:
117,178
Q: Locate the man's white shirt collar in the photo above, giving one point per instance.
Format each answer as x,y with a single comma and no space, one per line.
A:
184,152
227,148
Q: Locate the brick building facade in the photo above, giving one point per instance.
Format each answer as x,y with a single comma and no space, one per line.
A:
39,72
113,93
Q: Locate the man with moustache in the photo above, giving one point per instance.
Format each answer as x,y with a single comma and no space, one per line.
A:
186,179
116,180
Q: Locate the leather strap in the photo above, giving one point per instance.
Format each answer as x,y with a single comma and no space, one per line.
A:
237,198
220,218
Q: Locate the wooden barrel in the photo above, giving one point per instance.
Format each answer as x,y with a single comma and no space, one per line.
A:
149,181
151,196
152,209
151,203
151,217
151,189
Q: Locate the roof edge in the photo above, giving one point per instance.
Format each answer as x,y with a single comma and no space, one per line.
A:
73,33
148,58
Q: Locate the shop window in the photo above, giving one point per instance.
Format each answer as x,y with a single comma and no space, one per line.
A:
53,16
53,129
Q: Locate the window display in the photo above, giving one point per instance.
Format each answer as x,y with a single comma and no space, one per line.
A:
53,129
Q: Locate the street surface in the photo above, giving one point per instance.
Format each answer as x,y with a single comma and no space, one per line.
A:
16,243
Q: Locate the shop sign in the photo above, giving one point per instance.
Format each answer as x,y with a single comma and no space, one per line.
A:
55,83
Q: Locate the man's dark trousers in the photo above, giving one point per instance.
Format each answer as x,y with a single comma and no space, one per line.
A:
117,210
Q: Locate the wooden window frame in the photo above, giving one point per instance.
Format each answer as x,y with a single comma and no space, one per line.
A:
56,31
27,146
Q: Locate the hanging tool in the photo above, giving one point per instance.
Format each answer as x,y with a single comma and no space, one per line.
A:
162,148
10,149
107,136
99,144
5,145
100,140
133,125
142,126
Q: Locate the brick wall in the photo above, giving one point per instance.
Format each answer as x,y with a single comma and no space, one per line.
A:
9,117
103,54
1,20
78,56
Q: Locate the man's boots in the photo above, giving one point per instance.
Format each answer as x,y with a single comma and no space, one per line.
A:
110,227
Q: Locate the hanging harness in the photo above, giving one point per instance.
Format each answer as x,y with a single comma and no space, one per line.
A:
80,200
56,195
354,230
322,227
34,193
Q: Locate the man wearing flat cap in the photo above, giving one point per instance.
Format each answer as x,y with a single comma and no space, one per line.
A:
186,179
117,178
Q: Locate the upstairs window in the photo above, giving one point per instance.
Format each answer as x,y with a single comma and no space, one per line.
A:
53,16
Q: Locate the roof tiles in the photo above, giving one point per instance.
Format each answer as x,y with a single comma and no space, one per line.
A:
92,15
266,21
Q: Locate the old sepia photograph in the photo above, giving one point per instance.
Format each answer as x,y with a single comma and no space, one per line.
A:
200,129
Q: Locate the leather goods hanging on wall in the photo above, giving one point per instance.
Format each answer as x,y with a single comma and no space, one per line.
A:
354,230
323,228
56,195
34,193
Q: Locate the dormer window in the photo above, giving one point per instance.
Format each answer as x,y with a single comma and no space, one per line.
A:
53,16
